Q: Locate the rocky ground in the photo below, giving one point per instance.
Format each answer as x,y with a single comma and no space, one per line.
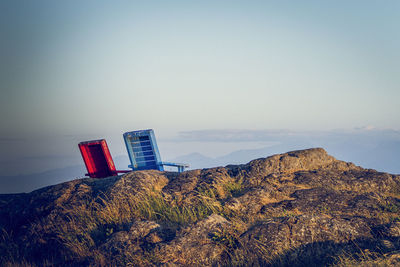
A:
301,208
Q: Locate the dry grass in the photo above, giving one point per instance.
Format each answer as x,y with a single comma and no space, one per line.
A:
366,258
395,190
83,226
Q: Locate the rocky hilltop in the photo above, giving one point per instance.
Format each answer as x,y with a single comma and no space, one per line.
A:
298,208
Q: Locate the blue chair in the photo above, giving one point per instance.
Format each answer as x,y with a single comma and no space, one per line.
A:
143,152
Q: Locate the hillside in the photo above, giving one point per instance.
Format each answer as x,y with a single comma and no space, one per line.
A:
298,208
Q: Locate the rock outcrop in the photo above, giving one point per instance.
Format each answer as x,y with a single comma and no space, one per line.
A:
298,208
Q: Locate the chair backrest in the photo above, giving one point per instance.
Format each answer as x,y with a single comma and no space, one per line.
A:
97,158
143,150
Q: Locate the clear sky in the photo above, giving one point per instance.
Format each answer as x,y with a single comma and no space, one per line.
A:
83,67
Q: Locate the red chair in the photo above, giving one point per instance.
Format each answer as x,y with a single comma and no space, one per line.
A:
97,158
